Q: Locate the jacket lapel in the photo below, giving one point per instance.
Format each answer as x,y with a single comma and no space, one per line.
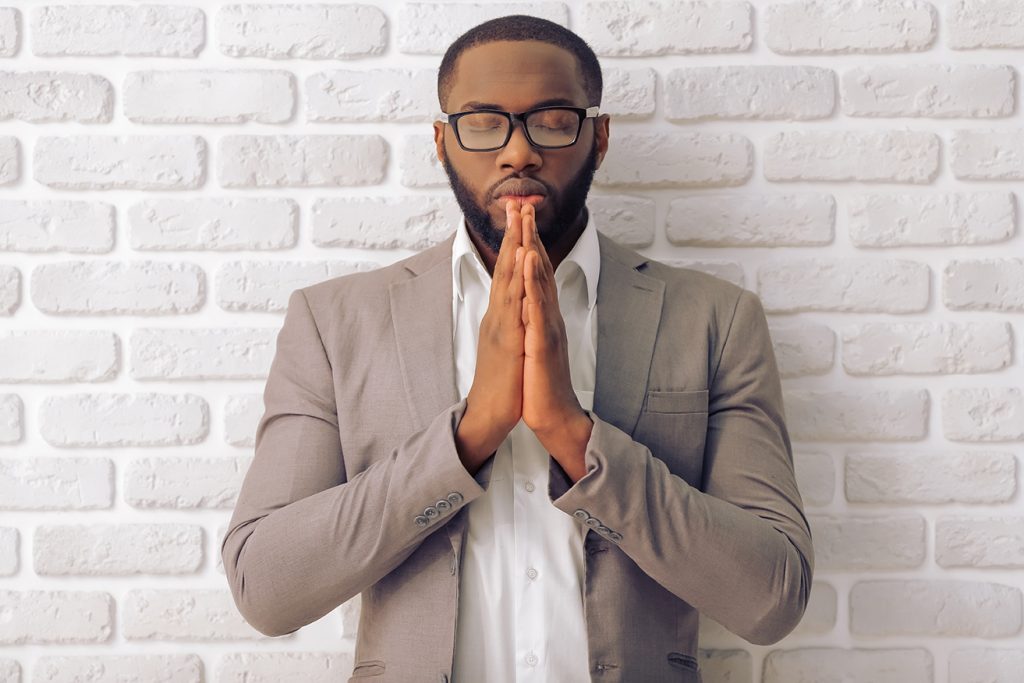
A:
628,313
421,311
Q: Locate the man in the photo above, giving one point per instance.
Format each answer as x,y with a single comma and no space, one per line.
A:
536,454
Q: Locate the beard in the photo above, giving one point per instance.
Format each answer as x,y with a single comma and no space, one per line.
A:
567,205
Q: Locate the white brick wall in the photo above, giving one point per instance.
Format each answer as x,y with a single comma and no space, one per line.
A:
169,173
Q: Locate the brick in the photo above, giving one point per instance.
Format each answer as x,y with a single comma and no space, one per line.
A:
132,31
906,478
815,478
980,542
58,225
634,29
10,669
983,414
745,220
394,95
851,284
628,93
988,154
270,667
850,26
52,483
985,24
939,219
242,413
894,156
984,284
213,224
730,271
301,160
10,34
120,162
209,96
10,160
428,28
848,543
929,90
58,356
749,92
730,666
54,96
11,418
984,665
926,348
184,483
118,287
803,350
418,162
10,289
835,665
183,615
301,31
201,353
627,220
55,617
121,419
120,669
926,608
677,160
117,549
266,285
9,560
413,222
857,416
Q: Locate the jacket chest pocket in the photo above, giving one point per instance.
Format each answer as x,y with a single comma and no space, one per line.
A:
673,425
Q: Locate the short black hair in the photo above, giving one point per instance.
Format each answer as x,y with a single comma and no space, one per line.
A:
522,27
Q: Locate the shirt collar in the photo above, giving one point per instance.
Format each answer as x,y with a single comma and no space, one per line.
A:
585,254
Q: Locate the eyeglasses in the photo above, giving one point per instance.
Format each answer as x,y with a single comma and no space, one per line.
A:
486,130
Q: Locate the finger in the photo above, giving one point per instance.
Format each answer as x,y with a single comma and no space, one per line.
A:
516,287
540,245
531,279
512,238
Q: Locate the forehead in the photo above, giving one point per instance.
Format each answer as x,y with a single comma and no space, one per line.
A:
516,75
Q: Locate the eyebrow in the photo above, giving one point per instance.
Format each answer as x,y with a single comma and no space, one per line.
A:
550,102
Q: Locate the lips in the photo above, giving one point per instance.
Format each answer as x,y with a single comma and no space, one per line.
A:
523,191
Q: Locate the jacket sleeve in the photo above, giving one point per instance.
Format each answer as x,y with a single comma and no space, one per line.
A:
739,550
304,536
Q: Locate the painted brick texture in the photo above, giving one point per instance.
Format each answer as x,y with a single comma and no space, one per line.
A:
170,173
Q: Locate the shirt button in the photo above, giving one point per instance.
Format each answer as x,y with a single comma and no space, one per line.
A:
531,659
532,573
529,486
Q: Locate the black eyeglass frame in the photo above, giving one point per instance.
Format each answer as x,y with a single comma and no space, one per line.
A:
583,114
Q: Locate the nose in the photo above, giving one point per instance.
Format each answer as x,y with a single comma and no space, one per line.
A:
519,154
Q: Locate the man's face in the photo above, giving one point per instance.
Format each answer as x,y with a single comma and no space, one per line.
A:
517,76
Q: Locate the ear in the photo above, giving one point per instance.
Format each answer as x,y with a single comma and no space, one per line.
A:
439,140
601,135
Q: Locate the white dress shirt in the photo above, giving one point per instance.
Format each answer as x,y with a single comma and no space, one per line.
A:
520,613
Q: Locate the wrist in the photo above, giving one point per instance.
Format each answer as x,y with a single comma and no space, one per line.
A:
567,443
475,440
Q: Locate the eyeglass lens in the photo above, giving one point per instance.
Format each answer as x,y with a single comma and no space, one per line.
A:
549,127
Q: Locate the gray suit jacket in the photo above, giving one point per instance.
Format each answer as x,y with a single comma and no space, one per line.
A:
356,485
